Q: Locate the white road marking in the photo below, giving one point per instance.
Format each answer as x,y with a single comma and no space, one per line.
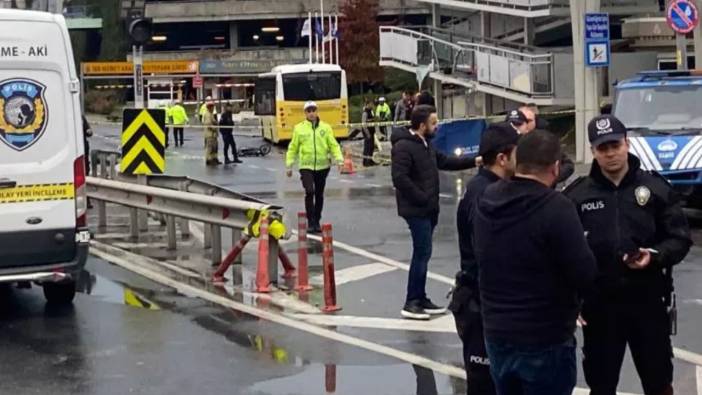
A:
346,181
584,391
699,380
381,259
189,290
374,185
355,273
688,356
271,169
445,196
254,167
443,324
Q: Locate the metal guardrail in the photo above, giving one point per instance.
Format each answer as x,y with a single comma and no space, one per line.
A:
505,65
173,198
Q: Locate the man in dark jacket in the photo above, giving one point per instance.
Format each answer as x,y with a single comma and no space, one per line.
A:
638,232
524,120
415,175
227,132
497,150
534,265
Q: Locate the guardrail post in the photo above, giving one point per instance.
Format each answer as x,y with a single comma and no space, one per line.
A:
94,163
216,244
134,224
143,214
103,167
113,167
102,215
236,236
207,242
184,223
273,249
171,231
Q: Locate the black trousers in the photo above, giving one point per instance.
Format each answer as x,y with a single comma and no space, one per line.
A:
368,147
314,182
178,136
469,323
229,144
611,325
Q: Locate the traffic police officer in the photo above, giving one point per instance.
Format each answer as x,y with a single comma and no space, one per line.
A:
636,228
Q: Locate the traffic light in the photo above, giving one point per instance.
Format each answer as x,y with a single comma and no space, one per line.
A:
140,30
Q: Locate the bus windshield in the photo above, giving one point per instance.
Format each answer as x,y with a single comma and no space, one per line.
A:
312,86
661,108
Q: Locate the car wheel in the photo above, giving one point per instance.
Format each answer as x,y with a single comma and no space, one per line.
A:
60,293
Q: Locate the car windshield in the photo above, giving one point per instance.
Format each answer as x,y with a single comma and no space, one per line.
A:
661,109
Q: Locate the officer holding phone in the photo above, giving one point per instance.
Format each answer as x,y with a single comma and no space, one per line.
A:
636,228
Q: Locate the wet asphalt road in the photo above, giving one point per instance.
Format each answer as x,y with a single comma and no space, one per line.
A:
102,346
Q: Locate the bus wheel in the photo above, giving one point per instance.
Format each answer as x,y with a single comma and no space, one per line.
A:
60,293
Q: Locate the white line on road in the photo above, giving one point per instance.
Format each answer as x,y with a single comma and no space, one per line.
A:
374,185
254,167
346,181
355,273
444,324
445,196
699,380
271,169
381,259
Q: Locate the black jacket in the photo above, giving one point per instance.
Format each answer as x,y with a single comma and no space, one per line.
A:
567,167
464,222
643,212
226,120
534,263
415,173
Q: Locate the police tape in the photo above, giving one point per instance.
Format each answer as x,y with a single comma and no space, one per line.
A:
492,118
37,193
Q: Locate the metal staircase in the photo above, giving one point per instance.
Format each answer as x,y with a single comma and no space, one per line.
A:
505,69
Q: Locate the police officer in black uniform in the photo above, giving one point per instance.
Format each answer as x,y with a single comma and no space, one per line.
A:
635,226
497,146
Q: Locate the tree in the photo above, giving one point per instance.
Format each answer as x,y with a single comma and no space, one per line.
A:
359,43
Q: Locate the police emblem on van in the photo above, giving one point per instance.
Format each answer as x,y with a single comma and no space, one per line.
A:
23,112
667,145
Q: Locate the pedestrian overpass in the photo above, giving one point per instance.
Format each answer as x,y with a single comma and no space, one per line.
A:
512,71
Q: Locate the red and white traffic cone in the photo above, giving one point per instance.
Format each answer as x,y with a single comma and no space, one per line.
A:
262,278
328,266
303,277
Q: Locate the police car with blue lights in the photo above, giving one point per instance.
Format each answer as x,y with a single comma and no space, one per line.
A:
663,113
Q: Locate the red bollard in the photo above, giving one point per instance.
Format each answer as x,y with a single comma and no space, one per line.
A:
328,265
218,276
262,278
303,277
287,265
330,378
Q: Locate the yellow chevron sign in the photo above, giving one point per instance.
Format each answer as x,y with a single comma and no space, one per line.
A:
143,142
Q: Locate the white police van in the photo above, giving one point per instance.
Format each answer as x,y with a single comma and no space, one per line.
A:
43,231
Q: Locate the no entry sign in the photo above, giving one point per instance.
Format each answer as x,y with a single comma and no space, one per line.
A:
682,16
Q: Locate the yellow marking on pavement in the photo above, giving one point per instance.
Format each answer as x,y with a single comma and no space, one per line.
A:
134,300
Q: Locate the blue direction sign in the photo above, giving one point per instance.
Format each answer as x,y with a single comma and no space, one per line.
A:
597,44
682,16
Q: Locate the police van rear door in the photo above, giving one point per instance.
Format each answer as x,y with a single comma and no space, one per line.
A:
39,141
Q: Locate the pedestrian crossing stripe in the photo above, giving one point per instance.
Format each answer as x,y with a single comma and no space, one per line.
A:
143,142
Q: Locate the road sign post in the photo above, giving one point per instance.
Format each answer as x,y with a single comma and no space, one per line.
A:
683,17
597,44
